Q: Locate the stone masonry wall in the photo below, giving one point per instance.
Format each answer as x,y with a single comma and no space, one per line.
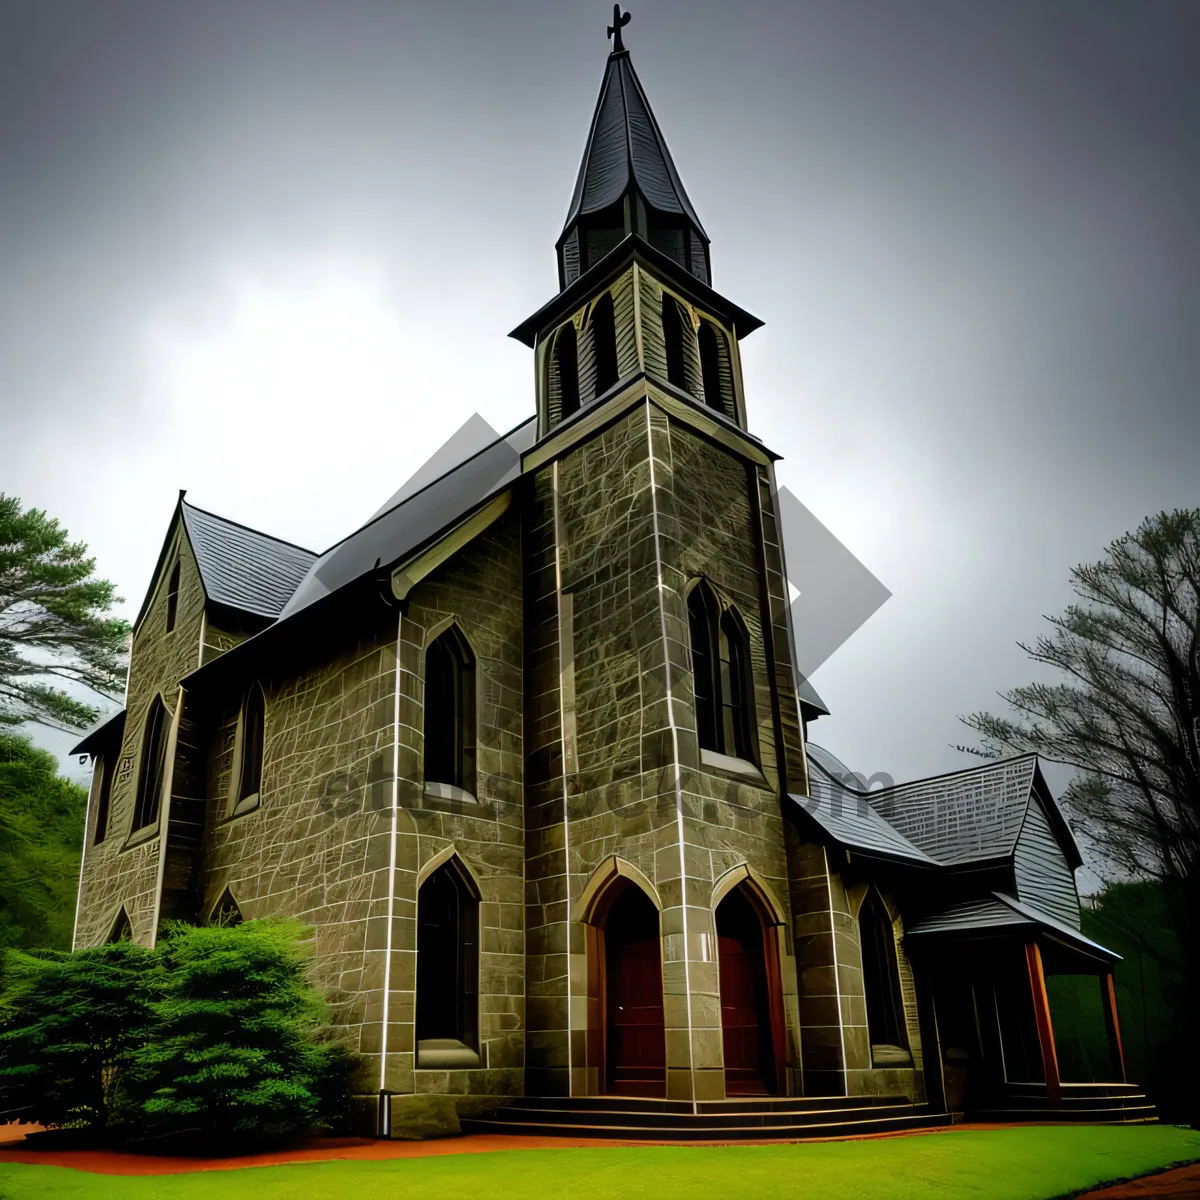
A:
615,657
120,871
318,847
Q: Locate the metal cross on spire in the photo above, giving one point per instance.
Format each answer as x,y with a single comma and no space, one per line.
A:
620,20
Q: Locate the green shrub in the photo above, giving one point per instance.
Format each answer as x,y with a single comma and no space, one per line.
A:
68,1024
236,1049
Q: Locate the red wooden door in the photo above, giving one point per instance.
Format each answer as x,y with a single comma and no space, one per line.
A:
741,1028
635,1049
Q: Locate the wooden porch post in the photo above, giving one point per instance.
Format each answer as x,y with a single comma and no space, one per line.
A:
1109,993
1045,1028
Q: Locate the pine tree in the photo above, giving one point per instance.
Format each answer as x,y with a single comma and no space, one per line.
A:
237,1050
68,1023
53,623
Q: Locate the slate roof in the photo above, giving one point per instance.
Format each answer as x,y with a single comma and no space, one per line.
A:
965,816
999,911
626,145
418,518
845,814
242,568
107,733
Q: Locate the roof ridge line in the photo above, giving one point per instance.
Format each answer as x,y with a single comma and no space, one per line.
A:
248,528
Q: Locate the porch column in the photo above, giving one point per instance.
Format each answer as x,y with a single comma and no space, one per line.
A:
1109,994
1045,1028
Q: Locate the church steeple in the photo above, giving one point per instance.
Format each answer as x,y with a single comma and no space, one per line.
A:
627,181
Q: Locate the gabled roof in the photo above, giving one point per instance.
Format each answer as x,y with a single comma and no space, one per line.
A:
848,818
242,568
965,816
625,146
417,519
102,737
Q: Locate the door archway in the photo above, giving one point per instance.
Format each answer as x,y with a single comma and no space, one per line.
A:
627,1036
751,996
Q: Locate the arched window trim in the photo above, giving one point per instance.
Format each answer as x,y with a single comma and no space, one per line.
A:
723,682
886,1022
602,320
714,351
565,364
673,323
152,769
172,597
458,759
249,743
227,911
121,928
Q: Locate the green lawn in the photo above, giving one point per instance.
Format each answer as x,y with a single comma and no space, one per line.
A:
1006,1164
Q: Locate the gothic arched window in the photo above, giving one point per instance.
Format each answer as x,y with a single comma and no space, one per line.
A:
566,364
672,324
706,659
152,775
722,680
173,596
715,370
447,1016
450,711
226,911
122,928
104,771
604,343
736,683
251,729
881,974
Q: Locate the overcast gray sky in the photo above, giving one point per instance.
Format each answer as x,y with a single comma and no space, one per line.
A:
270,252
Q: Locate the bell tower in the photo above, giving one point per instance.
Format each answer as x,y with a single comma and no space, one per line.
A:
661,728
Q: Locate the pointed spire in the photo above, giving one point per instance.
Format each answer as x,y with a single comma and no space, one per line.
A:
627,180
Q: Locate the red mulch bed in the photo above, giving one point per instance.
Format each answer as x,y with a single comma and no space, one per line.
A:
1183,1183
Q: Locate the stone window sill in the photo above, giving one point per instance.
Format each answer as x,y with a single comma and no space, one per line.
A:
741,767
445,1054
140,836
890,1056
447,791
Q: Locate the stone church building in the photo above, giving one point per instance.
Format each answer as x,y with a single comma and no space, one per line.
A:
529,753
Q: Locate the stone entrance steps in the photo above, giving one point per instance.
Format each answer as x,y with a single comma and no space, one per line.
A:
1091,1103
627,1118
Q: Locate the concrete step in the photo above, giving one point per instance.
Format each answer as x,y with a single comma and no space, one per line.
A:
735,1104
594,1117
631,1126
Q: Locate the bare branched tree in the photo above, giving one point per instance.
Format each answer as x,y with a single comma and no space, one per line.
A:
1126,715
54,627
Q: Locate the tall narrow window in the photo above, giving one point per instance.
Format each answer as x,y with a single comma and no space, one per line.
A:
154,765
104,773
881,975
604,343
718,390
173,597
672,324
566,361
722,678
450,711
250,756
706,661
735,685
447,1016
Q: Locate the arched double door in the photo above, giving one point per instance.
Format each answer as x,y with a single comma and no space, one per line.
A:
626,1027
